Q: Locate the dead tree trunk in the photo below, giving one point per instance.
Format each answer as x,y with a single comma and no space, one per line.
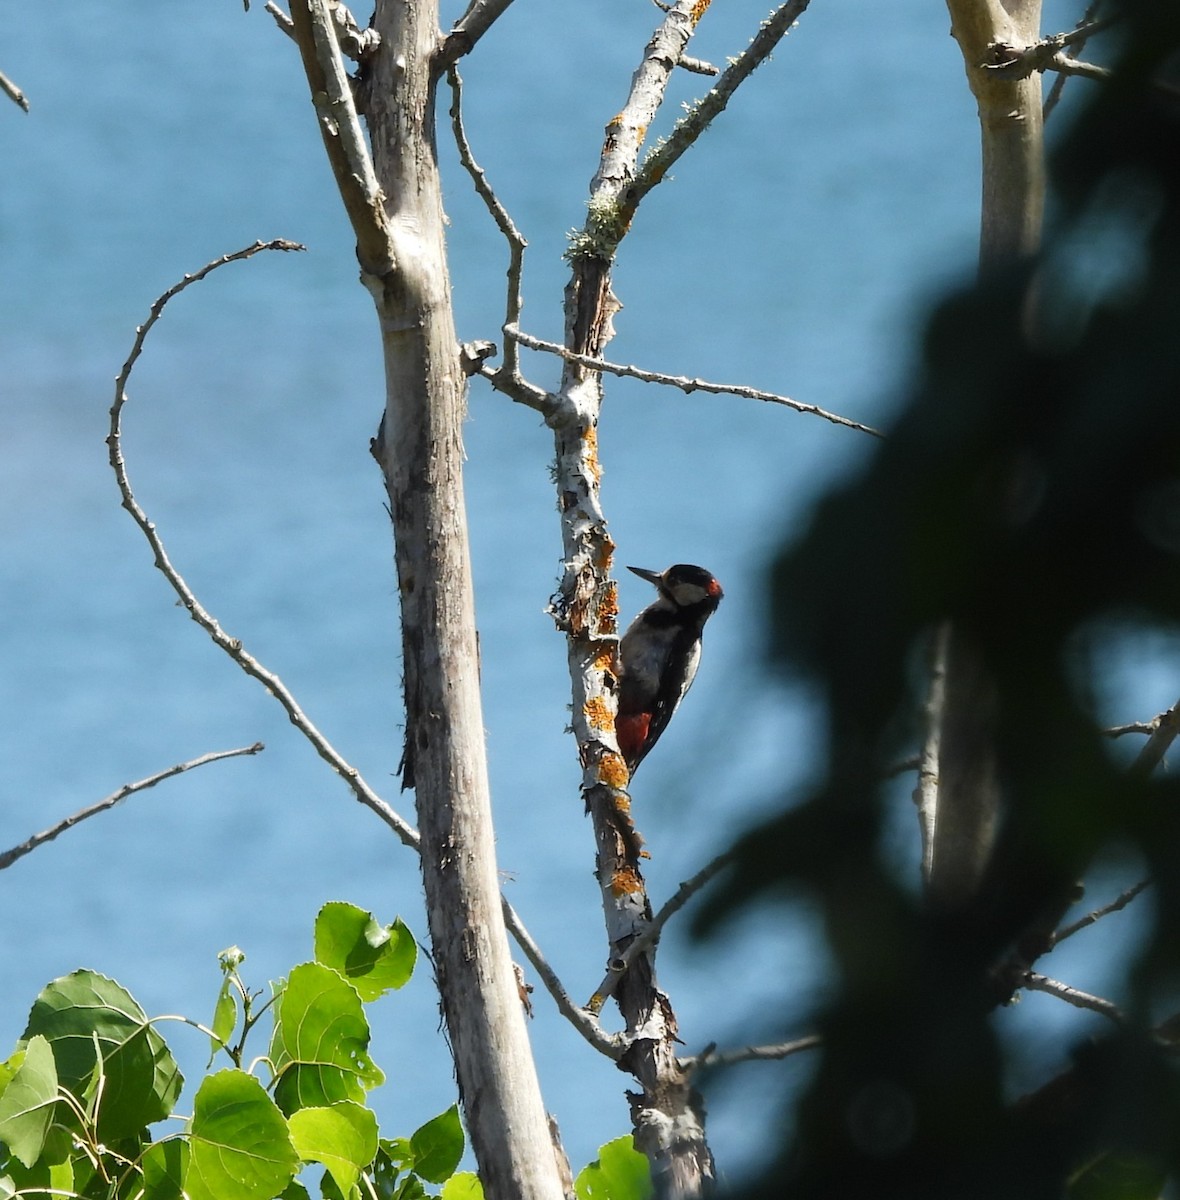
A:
394,201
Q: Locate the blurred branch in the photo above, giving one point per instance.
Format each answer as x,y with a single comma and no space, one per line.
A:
1163,734
39,839
686,385
1079,999
232,646
1120,902
1088,19
13,92
711,1057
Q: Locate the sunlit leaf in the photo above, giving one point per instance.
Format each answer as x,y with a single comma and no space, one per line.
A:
239,1144
619,1173
225,1018
463,1185
374,958
85,1015
320,1044
27,1103
342,1137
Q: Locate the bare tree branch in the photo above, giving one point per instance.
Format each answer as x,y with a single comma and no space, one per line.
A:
584,1020
660,160
231,645
1048,54
348,152
1088,19
13,92
468,29
711,1057
1120,902
39,839
506,378
645,940
1079,999
1163,734
283,21
514,333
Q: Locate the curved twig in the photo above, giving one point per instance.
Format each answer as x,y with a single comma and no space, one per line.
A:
231,645
39,839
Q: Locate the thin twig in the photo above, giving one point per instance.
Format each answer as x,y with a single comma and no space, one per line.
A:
1087,20
1019,62
1118,731
1152,752
686,385
1071,995
711,1057
663,156
651,933
13,92
39,839
1120,902
232,646
508,377
584,1020
697,66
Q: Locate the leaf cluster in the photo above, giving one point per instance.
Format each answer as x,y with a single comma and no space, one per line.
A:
91,1074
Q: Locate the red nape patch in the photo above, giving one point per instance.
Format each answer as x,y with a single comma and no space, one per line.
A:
632,734
714,589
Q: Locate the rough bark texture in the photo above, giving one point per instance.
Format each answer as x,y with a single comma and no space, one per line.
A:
668,1123
403,261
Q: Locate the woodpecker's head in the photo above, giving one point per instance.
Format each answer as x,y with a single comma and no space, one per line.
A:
683,585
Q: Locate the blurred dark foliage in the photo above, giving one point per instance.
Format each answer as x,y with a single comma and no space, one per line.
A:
1029,492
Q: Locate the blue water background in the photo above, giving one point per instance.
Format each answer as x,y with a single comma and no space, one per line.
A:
795,249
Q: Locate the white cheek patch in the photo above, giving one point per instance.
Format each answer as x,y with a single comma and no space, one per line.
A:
688,594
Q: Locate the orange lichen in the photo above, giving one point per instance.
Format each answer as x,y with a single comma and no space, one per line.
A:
604,660
698,10
590,439
626,881
597,713
612,770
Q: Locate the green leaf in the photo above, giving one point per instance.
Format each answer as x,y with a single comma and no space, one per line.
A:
239,1145
619,1173
27,1103
225,1018
438,1146
463,1185
96,1029
164,1165
342,1137
41,1182
294,1191
321,1038
374,958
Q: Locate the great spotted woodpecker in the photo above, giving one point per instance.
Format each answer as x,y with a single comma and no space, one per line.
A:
659,654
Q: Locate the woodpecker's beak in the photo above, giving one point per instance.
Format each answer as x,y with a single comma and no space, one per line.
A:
653,577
